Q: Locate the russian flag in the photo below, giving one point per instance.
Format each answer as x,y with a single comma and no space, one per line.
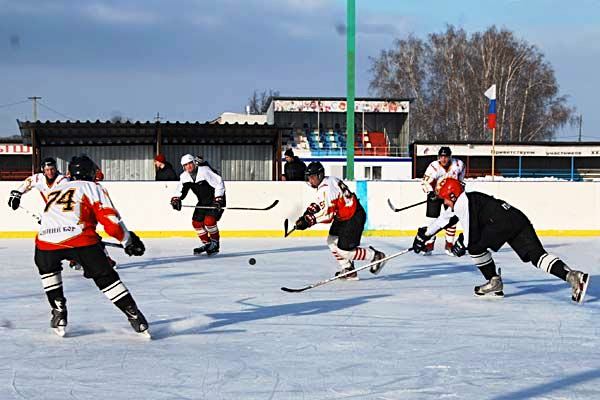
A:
491,118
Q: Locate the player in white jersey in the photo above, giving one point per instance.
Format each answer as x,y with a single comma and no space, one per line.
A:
199,177
43,181
444,167
337,204
68,231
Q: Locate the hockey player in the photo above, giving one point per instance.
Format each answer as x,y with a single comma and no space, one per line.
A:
488,223
68,231
335,202
43,181
199,177
444,167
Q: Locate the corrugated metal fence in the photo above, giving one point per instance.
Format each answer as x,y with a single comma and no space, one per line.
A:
116,162
234,162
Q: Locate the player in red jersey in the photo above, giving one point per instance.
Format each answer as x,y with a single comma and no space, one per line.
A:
336,204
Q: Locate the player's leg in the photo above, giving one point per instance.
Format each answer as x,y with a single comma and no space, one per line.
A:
49,266
96,266
210,221
434,208
530,249
450,236
482,258
200,227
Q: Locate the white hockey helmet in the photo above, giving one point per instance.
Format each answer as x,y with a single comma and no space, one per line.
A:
188,158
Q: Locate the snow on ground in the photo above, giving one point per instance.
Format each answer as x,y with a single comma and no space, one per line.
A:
224,330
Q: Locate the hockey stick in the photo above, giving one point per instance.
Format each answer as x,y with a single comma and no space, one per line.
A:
39,221
34,215
326,281
285,228
404,208
235,208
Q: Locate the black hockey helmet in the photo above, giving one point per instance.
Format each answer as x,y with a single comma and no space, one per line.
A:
315,168
445,151
48,162
82,168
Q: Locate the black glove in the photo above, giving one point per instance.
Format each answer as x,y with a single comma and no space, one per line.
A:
176,203
134,246
15,199
305,221
459,249
312,209
431,196
219,202
420,239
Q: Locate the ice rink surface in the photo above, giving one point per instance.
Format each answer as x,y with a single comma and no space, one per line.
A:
223,329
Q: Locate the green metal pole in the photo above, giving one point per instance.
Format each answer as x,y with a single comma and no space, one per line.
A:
350,75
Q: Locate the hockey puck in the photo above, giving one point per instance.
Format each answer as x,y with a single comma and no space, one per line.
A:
252,261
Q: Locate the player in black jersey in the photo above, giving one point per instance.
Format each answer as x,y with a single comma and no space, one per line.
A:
199,177
489,223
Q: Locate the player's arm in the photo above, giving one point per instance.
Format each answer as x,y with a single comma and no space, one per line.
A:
14,200
462,171
317,212
180,192
428,179
109,217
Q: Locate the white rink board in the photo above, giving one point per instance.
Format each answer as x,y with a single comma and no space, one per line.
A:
551,205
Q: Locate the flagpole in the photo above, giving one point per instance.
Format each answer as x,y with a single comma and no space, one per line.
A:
493,151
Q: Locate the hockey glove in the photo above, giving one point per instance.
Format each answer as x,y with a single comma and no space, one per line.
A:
219,202
15,199
305,221
134,246
176,203
459,249
312,209
420,240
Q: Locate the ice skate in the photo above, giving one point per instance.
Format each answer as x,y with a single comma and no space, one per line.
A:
138,321
492,288
212,248
201,249
579,282
349,277
375,269
58,322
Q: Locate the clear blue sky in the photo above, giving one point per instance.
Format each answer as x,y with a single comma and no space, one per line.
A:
193,59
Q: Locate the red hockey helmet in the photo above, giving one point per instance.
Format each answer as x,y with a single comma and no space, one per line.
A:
450,189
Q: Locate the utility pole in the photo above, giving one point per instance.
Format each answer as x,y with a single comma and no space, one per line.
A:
34,99
580,123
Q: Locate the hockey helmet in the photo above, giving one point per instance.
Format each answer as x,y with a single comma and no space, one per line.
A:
315,168
445,151
188,158
48,162
450,189
82,168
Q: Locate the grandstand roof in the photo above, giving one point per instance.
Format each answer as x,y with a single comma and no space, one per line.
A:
108,133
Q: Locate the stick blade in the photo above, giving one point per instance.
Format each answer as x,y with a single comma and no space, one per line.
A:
391,205
272,205
285,227
291,290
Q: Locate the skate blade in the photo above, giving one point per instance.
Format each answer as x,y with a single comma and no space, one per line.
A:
491,295
60,331
586,282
